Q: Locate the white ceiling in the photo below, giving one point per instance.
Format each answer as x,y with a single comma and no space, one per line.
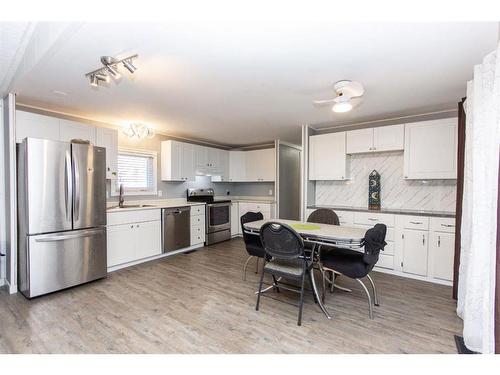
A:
244,83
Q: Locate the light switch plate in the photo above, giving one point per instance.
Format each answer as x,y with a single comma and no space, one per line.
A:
160,193
270,192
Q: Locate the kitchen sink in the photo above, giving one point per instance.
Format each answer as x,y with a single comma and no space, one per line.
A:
131,206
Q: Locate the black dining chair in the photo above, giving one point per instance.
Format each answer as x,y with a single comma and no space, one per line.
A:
325,216
286,259
252,241
358,265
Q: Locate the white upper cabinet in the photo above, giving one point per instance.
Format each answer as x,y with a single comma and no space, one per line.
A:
108,138
220,169
389,138
384,138
260,165
359,141
177,161
431,149
36,126
237,166
327,157
70,130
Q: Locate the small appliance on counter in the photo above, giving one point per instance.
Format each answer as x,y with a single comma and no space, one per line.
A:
218,215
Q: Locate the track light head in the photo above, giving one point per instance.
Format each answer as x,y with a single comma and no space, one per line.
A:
102,77
93,81
113,71
128,64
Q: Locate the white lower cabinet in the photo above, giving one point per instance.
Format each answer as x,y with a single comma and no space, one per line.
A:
235,219
442,248
133,241
415,244
238,209
197,225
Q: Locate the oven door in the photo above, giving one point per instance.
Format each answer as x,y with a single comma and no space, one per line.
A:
218,217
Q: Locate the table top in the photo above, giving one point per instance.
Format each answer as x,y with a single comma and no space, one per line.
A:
322,231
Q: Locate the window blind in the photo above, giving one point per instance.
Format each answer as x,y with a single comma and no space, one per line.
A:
136,171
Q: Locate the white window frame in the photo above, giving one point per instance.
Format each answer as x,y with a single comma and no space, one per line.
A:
115,187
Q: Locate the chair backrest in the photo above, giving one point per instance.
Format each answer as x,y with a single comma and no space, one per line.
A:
374,242
324,216
247,218
281,241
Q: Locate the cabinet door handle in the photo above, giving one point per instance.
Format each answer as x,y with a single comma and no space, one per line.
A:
448,225
416,222
423,239
372,219
439,241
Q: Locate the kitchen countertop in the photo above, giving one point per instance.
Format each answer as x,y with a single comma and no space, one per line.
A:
180,202
151,205
399,211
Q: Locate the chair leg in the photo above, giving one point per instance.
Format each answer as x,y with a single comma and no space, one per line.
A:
375,295
257,266
260,289
275,284
245,267
369,297
301,304
323,278
332,284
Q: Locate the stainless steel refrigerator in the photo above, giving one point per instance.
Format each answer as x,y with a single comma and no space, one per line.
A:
62,215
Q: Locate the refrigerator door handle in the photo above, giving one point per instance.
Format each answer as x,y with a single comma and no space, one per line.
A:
76,173
62,237
69,185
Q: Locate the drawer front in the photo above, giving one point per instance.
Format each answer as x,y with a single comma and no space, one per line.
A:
198,229
345,217
385,261
197,238
416,222
370,218
136,216
198,220
442,224
198,210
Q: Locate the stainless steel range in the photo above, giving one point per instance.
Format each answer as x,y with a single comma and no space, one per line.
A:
218,215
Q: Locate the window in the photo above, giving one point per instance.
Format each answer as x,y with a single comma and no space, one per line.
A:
136,171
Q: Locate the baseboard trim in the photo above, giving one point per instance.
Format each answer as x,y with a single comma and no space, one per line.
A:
414,277
154,257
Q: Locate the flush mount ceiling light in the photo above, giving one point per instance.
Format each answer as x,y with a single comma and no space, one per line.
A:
139,131
346,91
110,68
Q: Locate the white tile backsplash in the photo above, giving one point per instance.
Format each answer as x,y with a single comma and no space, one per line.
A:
396,193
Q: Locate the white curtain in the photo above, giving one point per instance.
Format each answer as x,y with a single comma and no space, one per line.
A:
476,285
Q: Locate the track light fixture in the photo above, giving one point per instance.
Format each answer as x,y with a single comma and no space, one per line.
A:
110,68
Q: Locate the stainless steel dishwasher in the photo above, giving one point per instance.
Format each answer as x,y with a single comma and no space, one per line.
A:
176,232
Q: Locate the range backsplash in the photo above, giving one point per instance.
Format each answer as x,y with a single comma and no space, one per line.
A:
430,195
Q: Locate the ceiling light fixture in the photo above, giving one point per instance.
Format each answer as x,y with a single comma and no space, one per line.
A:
128,64
110,67
139,131
342,107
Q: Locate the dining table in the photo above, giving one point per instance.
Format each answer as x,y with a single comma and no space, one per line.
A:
336,236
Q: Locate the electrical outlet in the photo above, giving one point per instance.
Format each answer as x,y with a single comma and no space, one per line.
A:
160,193
270,192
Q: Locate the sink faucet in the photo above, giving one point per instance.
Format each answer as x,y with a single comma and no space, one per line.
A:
121,200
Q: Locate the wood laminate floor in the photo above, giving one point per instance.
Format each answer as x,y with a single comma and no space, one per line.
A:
198,303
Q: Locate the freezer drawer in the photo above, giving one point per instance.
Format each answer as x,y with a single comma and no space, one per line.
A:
61,260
